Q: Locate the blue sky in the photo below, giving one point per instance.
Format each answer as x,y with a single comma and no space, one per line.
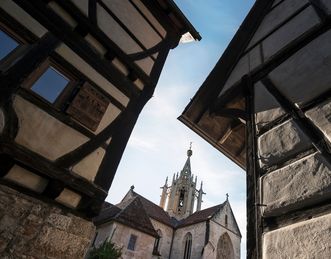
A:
158,144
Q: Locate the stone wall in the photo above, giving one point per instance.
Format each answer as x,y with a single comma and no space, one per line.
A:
30,228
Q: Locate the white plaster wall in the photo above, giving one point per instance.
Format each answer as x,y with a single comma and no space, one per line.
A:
305,240
144,244
216,231
69,198
165,242
26,179
198,240
39,131
105,231
218,228
134,22
89,165
22,17
150,17
82,5
69,55
110,115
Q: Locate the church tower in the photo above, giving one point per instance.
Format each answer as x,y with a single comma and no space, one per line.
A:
182,192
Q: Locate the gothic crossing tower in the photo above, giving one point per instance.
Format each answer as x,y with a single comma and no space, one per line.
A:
182,192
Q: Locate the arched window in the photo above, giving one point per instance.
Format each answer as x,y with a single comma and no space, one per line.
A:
225,248
157,243
188,246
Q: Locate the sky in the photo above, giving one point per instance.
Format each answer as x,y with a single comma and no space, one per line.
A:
158,144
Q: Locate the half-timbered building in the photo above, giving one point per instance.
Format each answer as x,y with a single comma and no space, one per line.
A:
266,105
74,76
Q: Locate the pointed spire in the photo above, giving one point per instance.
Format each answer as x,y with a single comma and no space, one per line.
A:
166,181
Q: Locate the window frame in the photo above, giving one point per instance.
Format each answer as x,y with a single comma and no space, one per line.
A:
22,46
133,239
63,99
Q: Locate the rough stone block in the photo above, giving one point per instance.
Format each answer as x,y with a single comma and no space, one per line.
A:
81,228
304,240
30,228
59,221
280,142
297,185
321,116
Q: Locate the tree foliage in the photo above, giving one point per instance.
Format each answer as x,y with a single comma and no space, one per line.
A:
107,250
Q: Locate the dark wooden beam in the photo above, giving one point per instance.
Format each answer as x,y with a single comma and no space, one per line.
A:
254,229
307,126
20,30
231,113
146,19
96,32
48,18
42,166
123,130
76,155
234,125
320,9
297,12
34,56
124,27
308,212
287,160
92,11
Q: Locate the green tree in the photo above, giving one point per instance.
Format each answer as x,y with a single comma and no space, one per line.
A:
107,250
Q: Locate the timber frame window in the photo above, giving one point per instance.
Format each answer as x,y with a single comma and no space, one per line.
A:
132,242
50,82
12,47
62,90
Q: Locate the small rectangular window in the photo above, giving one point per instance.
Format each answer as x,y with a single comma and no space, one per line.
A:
7,43
132,242
50,84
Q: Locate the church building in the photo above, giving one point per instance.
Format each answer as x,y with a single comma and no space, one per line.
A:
173,229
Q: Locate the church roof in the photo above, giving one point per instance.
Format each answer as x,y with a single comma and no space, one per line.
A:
155,211
135,211
200,216
133,215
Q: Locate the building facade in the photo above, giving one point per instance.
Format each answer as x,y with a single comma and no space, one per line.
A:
74,78
266,105
145,230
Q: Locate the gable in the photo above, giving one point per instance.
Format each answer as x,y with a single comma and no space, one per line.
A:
225,218
274,40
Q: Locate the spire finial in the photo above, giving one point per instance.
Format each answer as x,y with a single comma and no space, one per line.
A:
189,152
132,187
227,196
